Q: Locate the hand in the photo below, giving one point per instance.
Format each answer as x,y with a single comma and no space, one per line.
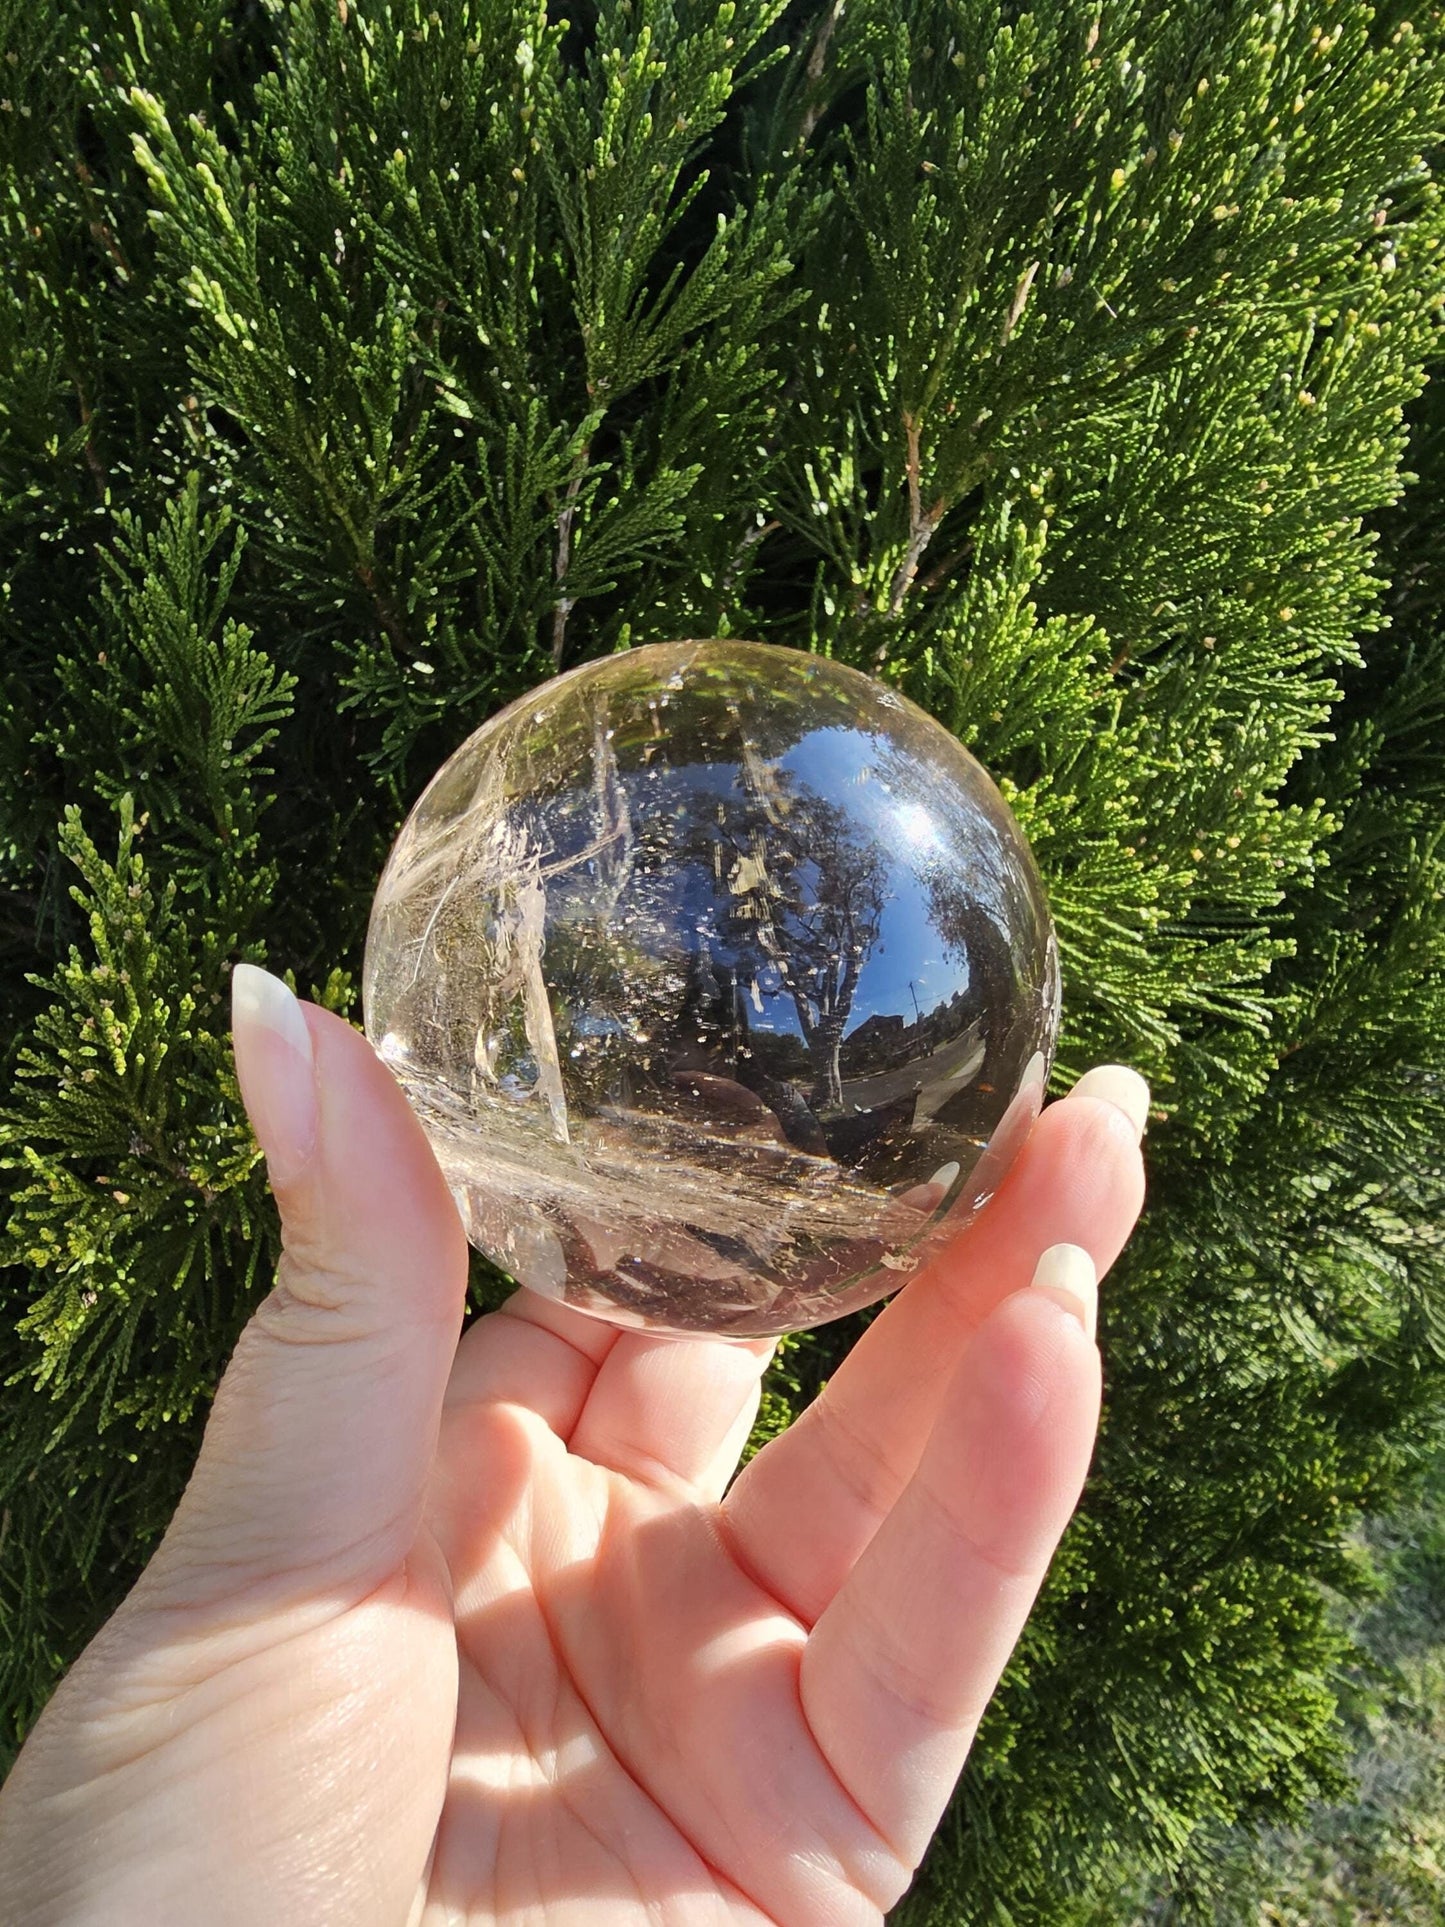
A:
466,1633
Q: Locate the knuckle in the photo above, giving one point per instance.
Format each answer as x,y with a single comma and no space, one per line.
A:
314,1301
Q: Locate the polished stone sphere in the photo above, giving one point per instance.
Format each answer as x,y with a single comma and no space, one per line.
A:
719,976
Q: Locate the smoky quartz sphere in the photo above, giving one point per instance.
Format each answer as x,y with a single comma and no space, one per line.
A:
720,976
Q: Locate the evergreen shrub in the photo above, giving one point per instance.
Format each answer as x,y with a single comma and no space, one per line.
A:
362,361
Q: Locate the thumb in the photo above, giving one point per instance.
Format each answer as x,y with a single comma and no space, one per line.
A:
317,1453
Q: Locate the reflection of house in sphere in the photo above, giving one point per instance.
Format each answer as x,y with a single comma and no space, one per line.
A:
698,963
922,1066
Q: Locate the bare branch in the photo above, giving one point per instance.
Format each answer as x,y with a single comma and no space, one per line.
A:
384,603
814,112
100,229
945,567
921,522
1019,302
750,539
563,606
92,457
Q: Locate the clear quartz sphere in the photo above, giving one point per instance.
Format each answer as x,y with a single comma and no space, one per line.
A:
719,975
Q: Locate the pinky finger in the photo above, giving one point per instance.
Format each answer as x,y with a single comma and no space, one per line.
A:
899,1667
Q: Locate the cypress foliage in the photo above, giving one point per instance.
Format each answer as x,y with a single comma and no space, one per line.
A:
361,361
1343,1229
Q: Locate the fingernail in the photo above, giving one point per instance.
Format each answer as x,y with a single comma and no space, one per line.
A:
1067,1274
944,1176
1033,1072
275,1068
1120,1086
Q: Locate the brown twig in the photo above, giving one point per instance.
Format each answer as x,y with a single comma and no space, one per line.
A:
92,456
100,228
750,539
387,613
941,569
813,112
1019,302
921,522
564,604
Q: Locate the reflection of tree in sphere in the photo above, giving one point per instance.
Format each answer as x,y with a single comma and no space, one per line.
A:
712,970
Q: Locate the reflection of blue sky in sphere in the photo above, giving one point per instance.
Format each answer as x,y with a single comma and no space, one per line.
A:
907,970
908,964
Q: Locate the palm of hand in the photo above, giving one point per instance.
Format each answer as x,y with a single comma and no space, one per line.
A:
629,1726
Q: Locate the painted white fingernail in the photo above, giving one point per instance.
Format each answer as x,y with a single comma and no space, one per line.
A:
944,1176
1067,1273
1120,1086
275,1068
1033,1072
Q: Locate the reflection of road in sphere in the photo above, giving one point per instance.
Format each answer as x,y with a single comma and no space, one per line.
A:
698,963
